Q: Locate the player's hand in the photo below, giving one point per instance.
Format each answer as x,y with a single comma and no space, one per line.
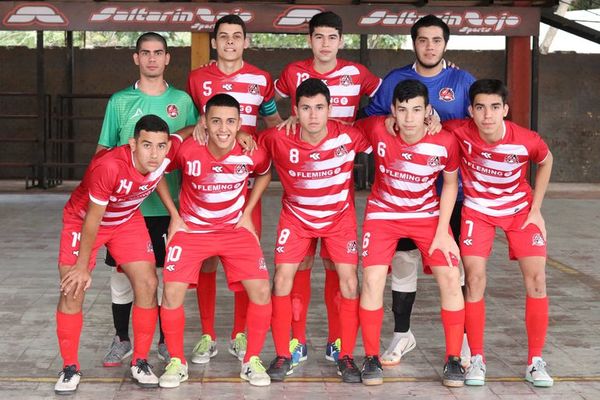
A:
390,125
176,224
290,125
210,62
246,223
434,124
246,141
200,134
535,217
450,64
76,281
445,243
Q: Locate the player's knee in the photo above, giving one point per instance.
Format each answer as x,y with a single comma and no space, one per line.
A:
69,305
535,284
282,283
349,286
261,294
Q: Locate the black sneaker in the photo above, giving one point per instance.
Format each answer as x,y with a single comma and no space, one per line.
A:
280,368
348,370
372,373
454,373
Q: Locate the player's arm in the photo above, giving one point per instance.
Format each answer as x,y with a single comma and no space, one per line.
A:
268,111
99,148
176,223
443,240
185,132
260,185
79,278
542,179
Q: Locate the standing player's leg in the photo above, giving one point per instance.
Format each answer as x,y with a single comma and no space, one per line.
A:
332,297
206,294
300,294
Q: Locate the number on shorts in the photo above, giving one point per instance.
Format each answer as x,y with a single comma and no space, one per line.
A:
294,156
283,236
381,149
76,238
174,253
193,168
469,224
366,238
164,236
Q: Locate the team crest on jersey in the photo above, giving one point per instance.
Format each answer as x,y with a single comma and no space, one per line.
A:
172,111
434,161
447,94
262,264
241,169
511,158
537,240
341,151
346,80
351,247
253,89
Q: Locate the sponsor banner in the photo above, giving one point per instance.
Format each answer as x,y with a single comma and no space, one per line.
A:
278,18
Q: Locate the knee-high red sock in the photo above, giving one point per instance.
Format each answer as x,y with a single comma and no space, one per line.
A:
281,320
300,302
475,325
332,302
206,292
144,324
173,327
240,309
370,322
454,330
68,331
536,322
349,328
259,319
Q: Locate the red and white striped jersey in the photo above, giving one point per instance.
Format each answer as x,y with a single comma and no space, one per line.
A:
495,175
316,180
405,174
213,191
347,82
111,180
250,86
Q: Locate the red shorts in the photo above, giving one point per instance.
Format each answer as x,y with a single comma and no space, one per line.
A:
312,250
380,237
238,249
127,242
477,233
295,240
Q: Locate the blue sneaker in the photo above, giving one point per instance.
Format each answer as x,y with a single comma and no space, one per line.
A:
299,352
332,351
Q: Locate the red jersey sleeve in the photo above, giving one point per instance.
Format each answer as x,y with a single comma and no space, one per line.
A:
362,144
283,84
370,81
270,89
262,161
538,149
453,161
192,88
367,127
103,180
452,124
265,141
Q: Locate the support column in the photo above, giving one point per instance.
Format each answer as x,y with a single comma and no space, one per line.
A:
518,78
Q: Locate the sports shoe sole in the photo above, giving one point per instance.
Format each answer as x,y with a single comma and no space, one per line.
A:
119,363
372,381
354,379
202,360
330,358
453,383
144,385
544,384
264,382
278,379
185,378
474,382
65,392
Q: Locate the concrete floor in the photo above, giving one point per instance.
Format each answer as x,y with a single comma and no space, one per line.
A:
28,294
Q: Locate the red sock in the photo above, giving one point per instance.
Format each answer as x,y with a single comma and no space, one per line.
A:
173,327
332,302
281,320
370,322
300,302
536,322
240,308
68,331
454,330
144,324
475,325
349,328
206,292
259,319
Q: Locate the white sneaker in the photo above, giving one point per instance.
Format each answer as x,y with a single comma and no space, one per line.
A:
536,373
237,346
465,353
401,344
142,374
68,380
175,373
475,375
254,372
204,350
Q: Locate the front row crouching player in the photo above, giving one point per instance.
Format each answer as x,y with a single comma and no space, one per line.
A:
495,155
213,222
403,204
104,210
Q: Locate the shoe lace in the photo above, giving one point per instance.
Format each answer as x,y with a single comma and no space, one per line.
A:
173,366
279,361
256,364
68,372
348,362
203,345
295,345
372,363
240,341
539,365
143,366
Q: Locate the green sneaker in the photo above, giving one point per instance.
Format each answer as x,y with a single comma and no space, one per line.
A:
299,352
254,372
204,350
237,346
175,373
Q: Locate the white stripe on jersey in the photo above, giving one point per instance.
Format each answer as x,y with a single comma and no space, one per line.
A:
243,159
119,222
314,225
336,142
123,204
247,98
226,178
223,196
342,111
330,164
493,190
377,88
517,149
405,215
321,200
324,183
430,149
498,201
211,214
347,70
117,214
346,91
499,166
493,212
279,92
495,179
406,186
416,169
248,120
315,213
98,201
197,221
404,201
251,78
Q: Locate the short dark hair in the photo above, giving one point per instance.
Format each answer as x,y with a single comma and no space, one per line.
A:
327,19
488,86
149,36
222,100
409,89
232,19
312,87
427,21
150,123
